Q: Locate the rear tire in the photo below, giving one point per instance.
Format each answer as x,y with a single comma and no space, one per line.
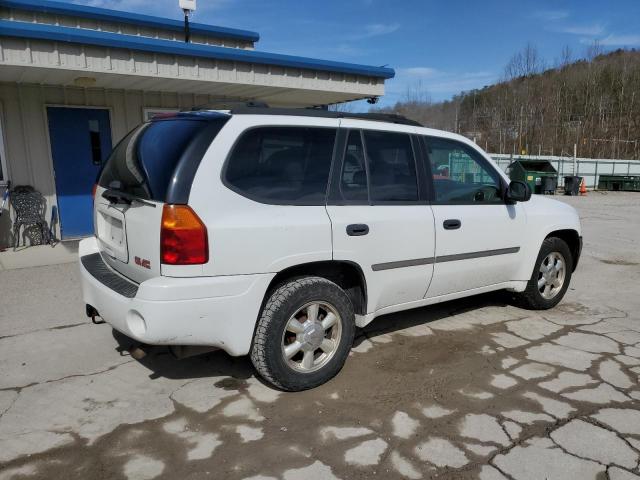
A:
550,278
304,334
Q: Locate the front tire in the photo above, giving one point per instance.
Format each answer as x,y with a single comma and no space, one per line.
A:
550,278
304,334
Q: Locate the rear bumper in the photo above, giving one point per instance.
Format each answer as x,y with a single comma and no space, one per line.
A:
215,311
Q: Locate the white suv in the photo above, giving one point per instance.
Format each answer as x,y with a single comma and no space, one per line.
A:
276,233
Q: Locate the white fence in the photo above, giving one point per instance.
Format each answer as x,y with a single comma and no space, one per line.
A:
589,168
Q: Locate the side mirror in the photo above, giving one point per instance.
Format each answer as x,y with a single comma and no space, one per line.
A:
518,192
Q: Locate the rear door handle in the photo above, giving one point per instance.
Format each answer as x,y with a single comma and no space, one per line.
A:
357,229
452,224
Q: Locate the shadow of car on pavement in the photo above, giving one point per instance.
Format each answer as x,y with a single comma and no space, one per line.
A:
162,363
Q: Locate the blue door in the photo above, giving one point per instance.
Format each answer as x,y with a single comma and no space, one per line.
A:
80,143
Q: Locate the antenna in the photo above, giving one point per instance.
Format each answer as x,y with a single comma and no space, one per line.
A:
188,7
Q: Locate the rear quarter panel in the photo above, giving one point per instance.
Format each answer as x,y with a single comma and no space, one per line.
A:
246,236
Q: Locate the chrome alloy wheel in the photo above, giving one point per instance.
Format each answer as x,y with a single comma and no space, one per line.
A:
311,337
551,275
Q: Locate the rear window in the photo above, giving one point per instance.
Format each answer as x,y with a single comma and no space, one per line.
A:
282,165
144,163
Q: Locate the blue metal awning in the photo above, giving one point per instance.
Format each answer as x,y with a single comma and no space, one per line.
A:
103,14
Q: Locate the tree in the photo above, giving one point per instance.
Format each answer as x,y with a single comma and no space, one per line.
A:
593,102
524,63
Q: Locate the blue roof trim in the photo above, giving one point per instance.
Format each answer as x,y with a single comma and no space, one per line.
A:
114,40
95,13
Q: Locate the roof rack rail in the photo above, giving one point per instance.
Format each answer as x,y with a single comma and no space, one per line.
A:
384,117
257,109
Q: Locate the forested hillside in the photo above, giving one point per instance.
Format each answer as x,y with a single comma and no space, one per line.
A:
592,102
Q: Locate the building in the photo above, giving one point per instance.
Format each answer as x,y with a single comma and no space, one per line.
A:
75,79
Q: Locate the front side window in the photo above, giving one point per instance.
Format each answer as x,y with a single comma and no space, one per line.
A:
282,165
460,174
392,168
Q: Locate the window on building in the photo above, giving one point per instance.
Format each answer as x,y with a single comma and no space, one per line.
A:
149,113
282,165
392,167
460,174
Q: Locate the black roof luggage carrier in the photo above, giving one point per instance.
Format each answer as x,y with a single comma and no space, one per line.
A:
259,108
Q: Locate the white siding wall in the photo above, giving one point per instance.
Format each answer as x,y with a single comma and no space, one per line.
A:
26,131
60,63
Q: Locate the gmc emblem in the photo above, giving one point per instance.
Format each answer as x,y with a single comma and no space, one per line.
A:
143,262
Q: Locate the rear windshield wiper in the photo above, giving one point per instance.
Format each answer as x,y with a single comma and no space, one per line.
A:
118,196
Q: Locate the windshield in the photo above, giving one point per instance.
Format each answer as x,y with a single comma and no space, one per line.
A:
145,161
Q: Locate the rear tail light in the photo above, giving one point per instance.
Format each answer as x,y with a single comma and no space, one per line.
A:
93,191
183,237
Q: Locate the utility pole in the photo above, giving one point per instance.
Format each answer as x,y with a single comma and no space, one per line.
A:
520,132
456,127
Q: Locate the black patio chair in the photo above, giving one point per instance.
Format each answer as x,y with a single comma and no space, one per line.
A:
29,206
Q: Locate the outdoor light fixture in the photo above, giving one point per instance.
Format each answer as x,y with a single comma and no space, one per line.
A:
84,81
188,7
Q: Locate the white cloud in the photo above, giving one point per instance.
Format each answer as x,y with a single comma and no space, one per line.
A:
620,40
551,15
343,49
375,30
421,72
589,30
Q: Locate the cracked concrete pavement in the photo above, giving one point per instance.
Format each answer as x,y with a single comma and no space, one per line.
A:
469,389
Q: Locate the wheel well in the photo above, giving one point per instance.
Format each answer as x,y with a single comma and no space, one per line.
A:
346,275
572,239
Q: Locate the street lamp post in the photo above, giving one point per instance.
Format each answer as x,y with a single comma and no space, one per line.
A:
188,7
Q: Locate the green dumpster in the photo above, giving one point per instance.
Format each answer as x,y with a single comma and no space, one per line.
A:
541,176
623,183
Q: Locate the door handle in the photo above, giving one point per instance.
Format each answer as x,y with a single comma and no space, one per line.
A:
357,229
452,224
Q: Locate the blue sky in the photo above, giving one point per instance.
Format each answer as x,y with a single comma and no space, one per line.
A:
444,46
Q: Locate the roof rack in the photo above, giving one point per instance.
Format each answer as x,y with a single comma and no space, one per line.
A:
261,108
318,112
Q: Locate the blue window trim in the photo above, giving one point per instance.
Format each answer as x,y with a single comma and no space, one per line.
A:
95,13
114,40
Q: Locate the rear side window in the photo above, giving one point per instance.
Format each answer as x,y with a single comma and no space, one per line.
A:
282,165
353,178
145,161
392,167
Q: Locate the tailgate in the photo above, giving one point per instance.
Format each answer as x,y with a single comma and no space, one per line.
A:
129,236
152,165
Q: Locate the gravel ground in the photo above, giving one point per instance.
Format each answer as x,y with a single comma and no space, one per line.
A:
467,389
